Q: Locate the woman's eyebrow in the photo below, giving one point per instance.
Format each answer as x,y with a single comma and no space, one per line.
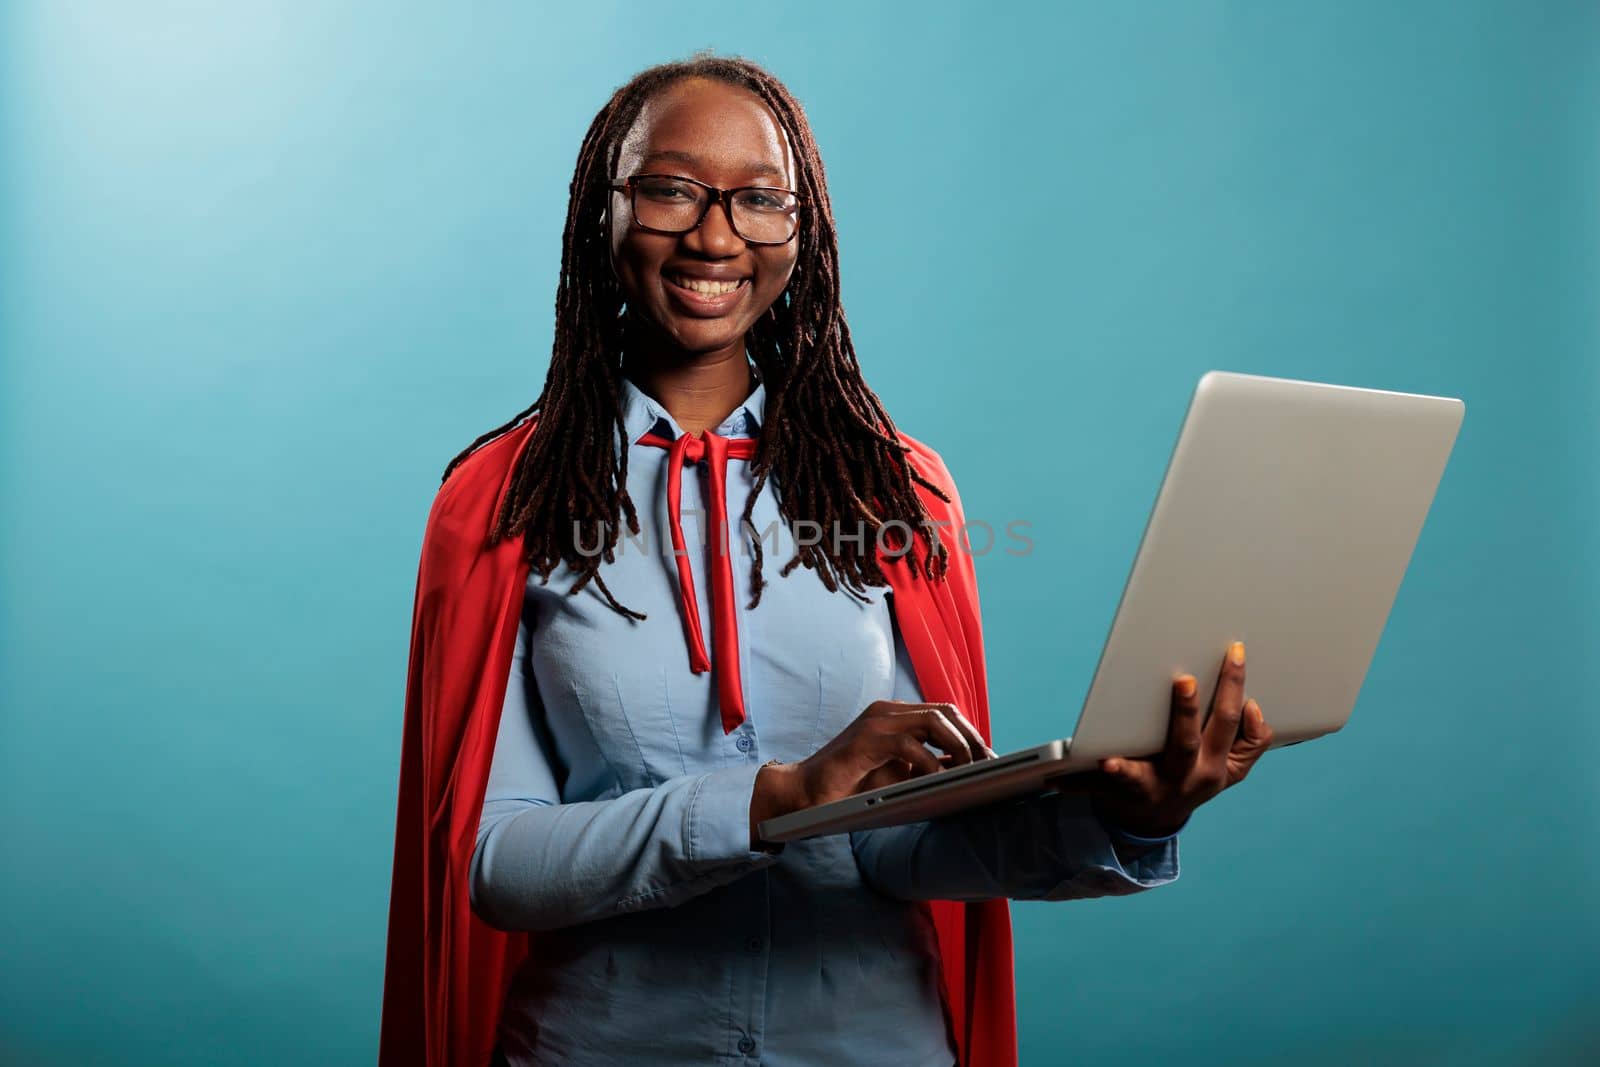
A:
677,156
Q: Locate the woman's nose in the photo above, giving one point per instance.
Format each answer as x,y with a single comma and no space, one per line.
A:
714,236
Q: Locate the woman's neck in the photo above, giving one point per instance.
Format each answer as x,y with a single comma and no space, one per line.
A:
699,390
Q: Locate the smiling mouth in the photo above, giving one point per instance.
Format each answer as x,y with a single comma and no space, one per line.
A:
703,287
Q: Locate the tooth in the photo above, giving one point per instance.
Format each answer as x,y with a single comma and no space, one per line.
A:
709,288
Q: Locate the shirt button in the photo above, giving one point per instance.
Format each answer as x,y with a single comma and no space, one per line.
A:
754,944
747,1045
744,743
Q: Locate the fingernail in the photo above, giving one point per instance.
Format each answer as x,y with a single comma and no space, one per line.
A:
1236,653
1113,766
1253,708
1186,686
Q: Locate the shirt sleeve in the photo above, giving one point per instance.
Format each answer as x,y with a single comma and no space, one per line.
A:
540,864
1047,847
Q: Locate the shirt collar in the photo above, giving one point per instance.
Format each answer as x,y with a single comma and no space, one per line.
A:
642,414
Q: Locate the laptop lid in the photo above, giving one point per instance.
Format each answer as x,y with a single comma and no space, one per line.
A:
1286,519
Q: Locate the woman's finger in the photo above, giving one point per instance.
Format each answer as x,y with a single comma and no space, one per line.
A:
1227,705
927,722
891,773
1133,776
1183,729
1255,737
914,752
1253,728
980,747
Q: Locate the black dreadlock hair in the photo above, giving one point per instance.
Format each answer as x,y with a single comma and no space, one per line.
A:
826,439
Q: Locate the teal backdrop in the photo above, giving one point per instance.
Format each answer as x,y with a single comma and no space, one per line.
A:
265,268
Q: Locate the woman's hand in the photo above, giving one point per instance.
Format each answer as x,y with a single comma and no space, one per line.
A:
881,746
1154,797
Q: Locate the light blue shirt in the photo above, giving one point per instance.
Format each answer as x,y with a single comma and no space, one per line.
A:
617,817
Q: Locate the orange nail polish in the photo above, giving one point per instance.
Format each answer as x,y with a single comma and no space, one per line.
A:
1186,686
1236,653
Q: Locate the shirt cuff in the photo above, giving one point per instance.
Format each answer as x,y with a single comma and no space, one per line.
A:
719,819
1104,873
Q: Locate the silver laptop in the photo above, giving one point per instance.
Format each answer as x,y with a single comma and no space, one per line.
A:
1286,520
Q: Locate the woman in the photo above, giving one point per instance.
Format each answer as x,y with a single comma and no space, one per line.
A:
579,877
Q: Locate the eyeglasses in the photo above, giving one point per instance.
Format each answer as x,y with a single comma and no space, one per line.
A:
669,203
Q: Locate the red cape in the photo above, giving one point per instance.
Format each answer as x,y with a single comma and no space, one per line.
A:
447,970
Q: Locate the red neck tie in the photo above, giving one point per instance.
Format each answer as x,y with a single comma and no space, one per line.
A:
724,620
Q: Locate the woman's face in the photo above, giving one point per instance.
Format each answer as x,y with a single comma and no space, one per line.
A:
726,137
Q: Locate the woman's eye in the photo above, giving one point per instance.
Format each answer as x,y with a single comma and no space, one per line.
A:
761,202
667,191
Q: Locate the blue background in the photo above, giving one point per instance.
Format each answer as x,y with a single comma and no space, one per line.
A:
265,268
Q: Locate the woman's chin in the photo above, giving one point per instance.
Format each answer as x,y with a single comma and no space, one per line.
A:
702,336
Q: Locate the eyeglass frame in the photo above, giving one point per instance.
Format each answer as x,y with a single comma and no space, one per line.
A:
722,196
